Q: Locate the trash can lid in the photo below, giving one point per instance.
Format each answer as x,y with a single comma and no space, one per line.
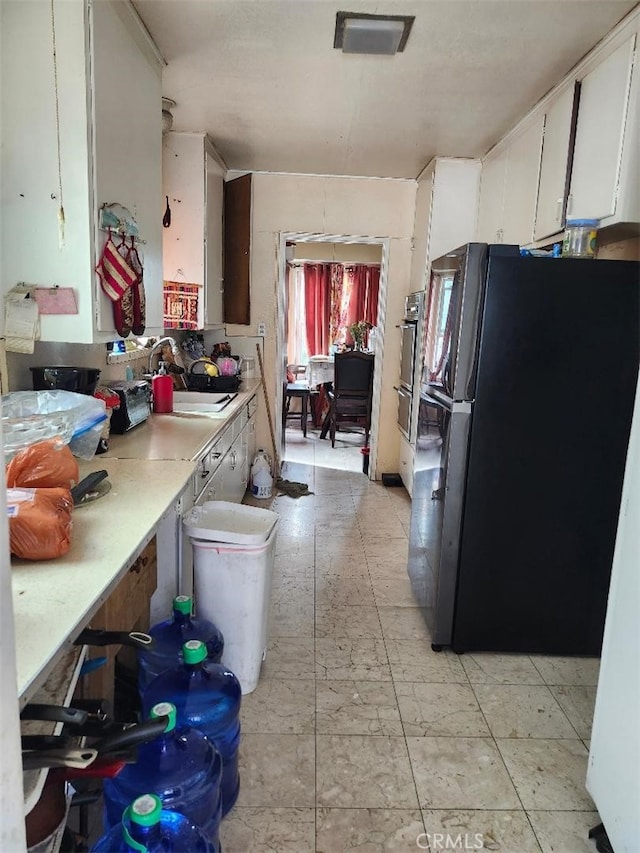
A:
223,521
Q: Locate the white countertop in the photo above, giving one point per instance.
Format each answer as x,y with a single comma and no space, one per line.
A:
148,468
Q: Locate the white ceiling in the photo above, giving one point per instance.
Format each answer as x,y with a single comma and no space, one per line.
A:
263,79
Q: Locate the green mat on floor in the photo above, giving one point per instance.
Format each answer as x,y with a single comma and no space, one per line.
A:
294,490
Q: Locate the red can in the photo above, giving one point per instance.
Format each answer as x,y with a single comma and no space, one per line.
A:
162,390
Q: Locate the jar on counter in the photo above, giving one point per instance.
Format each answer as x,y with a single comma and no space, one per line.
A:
580,238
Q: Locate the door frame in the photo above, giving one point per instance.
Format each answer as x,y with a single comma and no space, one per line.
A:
378,342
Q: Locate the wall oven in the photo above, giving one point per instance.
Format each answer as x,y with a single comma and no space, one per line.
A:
408,351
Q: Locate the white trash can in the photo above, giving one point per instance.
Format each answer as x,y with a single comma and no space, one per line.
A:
233,555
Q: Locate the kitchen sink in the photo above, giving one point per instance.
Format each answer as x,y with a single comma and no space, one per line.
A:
201,402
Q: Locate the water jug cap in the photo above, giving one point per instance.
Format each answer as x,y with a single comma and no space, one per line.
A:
194,651
165,709
182,603
146,810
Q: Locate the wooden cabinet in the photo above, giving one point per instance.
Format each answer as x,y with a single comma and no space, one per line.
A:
555,166
509,187
105,112
126,609
193,181
606,137
237,250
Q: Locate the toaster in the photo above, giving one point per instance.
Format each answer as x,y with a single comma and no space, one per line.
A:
135,404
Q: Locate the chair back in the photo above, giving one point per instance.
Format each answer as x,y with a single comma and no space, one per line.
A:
353,374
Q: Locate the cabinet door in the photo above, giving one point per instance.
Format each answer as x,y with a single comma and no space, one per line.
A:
237,245
127,138
213,252
492,182
604,100
521,184
183,176
555,167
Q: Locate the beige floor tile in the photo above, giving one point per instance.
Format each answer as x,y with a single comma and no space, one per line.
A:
341,565
348,547
357,708
440,709
279,706
460,773
506,831
291,587
342,621
386,549
391,569
548,774
578,704
393,592
334,591
286,569
297,525
272,830
368,830
500,669
413,660
364,772
404,623
351,660
568,671
560,832
390,526
522,710
295,547
291,619
277,770
292,657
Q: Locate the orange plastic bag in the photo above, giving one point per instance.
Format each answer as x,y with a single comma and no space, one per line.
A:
46,464
39,522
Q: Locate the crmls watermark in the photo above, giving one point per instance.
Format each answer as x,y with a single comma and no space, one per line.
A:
435,841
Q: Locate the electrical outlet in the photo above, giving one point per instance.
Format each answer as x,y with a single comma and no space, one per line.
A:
262,329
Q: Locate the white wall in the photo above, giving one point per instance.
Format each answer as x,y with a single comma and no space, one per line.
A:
363,207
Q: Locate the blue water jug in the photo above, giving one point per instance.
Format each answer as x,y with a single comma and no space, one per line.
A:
182,767
170,636
147,828
207,696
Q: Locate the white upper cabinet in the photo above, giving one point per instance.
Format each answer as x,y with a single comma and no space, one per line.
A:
193,181
521,183
555,166
509,187
492,186
603,121
106,113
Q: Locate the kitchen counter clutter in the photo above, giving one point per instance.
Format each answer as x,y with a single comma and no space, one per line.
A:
148,468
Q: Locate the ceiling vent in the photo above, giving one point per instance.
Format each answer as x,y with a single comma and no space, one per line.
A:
373,34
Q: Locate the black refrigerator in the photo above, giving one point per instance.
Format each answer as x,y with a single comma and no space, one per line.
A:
529,369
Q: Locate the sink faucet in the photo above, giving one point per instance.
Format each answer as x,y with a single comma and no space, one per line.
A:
158,345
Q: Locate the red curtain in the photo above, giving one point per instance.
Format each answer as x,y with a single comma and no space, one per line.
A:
365,284
317,294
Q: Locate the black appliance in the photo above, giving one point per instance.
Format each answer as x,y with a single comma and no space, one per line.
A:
525,403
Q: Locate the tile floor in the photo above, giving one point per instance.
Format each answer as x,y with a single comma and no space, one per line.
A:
360,738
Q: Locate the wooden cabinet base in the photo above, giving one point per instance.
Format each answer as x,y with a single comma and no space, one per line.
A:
126,609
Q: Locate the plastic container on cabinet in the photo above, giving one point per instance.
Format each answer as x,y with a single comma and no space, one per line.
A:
233,557
580,238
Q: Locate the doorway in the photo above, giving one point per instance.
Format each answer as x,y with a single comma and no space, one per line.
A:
313,449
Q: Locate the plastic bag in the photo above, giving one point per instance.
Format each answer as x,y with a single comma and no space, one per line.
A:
46,464
39,522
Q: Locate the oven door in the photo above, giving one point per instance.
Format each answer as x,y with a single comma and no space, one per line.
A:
407,353
404,410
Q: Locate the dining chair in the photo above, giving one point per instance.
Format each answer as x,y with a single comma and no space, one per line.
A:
296,389
352,393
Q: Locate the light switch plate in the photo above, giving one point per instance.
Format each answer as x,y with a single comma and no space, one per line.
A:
262,329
